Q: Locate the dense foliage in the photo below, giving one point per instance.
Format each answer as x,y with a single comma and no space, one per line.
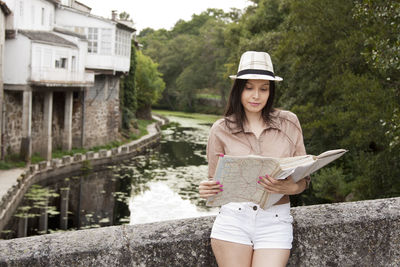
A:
139,89
340,64
128,94
149,85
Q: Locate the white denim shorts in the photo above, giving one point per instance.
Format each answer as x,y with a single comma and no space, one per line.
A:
246,223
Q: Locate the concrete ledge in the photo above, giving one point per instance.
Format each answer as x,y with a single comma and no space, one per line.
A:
365,233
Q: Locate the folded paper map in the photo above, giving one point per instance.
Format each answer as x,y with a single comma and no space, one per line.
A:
239,175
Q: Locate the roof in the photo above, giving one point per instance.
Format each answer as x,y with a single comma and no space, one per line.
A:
47,37
55,1
5,8
68,32
126,25
83,5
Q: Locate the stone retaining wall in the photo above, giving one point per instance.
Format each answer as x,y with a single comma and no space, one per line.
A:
70,164
365,233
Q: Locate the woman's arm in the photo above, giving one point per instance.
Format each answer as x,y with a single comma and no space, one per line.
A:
283,186
214,149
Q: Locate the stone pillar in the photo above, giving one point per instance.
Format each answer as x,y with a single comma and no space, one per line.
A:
43,219
64,198
22,227
26,142
67,140
46,150
83,117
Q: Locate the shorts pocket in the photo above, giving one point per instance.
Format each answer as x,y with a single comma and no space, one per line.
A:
284,218
231,211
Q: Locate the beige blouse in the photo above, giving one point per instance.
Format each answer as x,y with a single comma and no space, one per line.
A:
282,137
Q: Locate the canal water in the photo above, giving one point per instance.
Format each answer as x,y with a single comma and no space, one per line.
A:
159,185
169,175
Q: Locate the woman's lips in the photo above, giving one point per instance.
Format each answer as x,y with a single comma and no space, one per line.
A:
254,104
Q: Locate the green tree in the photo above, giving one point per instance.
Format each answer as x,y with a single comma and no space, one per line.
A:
128,93
191,57
149,85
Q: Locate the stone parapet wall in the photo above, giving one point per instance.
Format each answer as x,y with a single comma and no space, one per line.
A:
70,164
364,233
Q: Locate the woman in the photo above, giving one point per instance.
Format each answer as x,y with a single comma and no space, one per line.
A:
243,234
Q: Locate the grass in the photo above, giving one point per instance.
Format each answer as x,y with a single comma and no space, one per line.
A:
209,96
14,160
207,118
142,124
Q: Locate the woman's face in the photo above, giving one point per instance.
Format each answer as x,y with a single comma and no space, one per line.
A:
255,95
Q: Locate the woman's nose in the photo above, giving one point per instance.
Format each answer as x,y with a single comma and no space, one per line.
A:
255,95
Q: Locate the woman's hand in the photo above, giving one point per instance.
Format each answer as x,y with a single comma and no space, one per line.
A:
282,186
209,188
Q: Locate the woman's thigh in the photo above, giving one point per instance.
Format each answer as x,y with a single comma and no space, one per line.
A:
231,254
270,257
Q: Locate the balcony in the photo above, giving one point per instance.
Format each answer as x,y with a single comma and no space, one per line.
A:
61,78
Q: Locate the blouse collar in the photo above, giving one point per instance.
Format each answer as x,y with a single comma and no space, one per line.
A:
275,123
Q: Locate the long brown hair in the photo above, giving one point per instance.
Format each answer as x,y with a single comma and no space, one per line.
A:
234,107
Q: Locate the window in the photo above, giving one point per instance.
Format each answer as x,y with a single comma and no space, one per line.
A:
93,40
50,19
21,8
42,16
122,43
73,64
33,14
106,39
80,30
61,63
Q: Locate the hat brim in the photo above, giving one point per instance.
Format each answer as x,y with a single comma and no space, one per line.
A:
256,77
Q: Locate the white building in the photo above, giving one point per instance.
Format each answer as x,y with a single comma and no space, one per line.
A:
108,56
4,12
53,53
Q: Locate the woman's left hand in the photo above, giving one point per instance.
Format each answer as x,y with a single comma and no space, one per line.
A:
281,186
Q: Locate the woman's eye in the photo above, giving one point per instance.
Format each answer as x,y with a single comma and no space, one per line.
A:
265,89
248,88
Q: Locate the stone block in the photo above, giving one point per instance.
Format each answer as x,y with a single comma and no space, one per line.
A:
124,149
33,168
66,160
114,151
132,148
55,163
42,165
89,155
78,157
103,153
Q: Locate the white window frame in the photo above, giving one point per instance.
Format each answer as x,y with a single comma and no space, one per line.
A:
93,40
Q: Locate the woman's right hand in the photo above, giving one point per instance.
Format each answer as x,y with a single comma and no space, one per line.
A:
209,188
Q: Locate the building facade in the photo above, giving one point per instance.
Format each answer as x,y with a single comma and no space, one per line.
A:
61,86
4,12
108,56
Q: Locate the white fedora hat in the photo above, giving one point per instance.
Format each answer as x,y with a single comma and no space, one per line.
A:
256,65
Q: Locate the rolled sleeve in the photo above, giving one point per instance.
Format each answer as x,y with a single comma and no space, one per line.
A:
300,149
214,148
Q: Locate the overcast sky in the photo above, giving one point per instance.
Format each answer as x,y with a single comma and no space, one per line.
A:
159,14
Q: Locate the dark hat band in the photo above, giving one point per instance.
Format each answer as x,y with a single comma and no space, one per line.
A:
255,71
